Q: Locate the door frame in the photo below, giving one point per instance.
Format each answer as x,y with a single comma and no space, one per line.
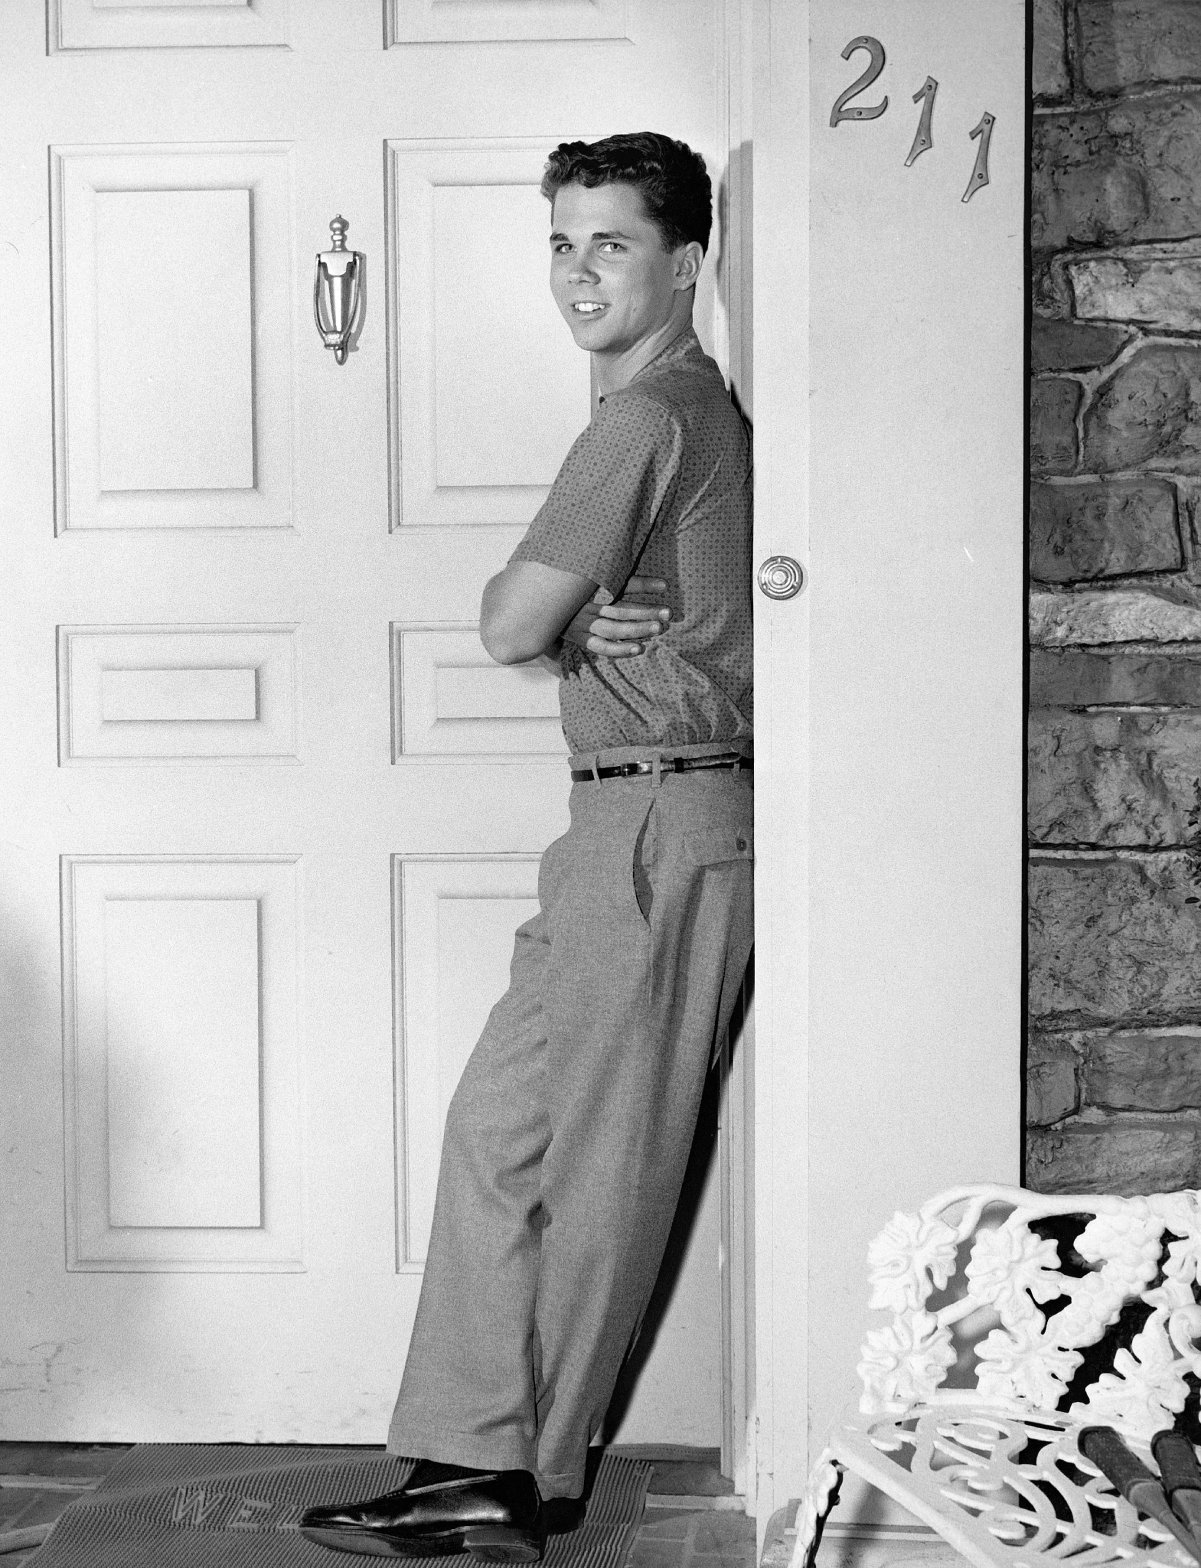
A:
764,51
778,274
732,324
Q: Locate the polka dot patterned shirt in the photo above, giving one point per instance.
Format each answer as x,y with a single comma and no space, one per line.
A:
659,485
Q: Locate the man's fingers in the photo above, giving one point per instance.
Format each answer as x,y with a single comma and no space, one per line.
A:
625,632
613,650
627,625
631,616
624,611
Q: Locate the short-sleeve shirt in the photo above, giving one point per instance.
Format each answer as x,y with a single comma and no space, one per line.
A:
659,485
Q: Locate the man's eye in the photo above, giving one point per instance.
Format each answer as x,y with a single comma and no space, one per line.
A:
561,249
613,245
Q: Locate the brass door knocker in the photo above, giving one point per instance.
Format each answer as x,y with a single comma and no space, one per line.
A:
336,292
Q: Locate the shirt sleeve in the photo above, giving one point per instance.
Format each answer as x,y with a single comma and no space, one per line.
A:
605,499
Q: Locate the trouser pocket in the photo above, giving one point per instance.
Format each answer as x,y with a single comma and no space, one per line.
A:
711,845
643,860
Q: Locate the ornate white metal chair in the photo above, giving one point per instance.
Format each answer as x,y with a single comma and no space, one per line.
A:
1017,1319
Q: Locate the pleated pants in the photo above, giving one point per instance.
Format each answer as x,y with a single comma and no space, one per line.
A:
568,1135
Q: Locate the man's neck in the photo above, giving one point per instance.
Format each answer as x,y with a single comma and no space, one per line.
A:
611,373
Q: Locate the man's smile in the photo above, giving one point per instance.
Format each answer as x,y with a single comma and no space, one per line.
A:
588,307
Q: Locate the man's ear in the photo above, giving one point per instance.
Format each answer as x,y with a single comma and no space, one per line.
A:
687,264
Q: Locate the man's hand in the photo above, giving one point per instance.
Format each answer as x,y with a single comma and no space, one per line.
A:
622,628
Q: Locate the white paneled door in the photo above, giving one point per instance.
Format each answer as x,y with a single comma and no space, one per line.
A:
270,815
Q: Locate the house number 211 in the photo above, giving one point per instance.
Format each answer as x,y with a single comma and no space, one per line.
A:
923,138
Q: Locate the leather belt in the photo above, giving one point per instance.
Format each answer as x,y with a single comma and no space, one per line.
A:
629,770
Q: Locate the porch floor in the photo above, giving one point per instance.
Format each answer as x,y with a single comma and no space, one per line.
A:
692,1519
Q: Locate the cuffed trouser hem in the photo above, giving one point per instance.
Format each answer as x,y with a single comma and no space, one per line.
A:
568,1483
464,1448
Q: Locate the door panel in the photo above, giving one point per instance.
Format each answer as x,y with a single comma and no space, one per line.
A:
451,699
453,926
473,21
272,815
167,24
173,346
472,448
204,693
182,1061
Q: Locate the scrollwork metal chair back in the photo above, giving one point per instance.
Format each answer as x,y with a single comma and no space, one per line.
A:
1014,1320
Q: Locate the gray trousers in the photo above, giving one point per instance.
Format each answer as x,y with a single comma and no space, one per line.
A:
567,1137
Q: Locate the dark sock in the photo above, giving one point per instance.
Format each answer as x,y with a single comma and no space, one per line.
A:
434,1472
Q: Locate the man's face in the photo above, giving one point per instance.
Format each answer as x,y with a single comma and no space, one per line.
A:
609,272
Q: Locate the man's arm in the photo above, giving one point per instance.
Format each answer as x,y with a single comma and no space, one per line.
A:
598,514
527,606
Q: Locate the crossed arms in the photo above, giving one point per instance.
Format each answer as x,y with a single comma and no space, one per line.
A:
528,608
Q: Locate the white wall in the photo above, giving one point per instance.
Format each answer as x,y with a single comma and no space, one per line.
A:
889,434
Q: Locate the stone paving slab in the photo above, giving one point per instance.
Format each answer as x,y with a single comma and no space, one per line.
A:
38,1481
14,1501
673,1478
919,1550
40,1508
90,1460
713,1539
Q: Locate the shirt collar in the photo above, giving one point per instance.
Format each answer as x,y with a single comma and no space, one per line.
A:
684,346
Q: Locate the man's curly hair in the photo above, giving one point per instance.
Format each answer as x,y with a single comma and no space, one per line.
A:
672,178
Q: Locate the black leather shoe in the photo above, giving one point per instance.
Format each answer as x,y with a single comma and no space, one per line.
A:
495,1515
562,1515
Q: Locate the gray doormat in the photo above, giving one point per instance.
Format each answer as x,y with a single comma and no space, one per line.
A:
169,1505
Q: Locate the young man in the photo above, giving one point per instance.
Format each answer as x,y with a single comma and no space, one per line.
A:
567,1137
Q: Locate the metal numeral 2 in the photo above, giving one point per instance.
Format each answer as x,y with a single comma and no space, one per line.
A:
876,50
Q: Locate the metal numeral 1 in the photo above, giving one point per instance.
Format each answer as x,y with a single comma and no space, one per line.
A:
980,173
924,138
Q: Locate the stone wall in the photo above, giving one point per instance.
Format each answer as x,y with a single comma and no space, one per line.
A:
1114,1075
